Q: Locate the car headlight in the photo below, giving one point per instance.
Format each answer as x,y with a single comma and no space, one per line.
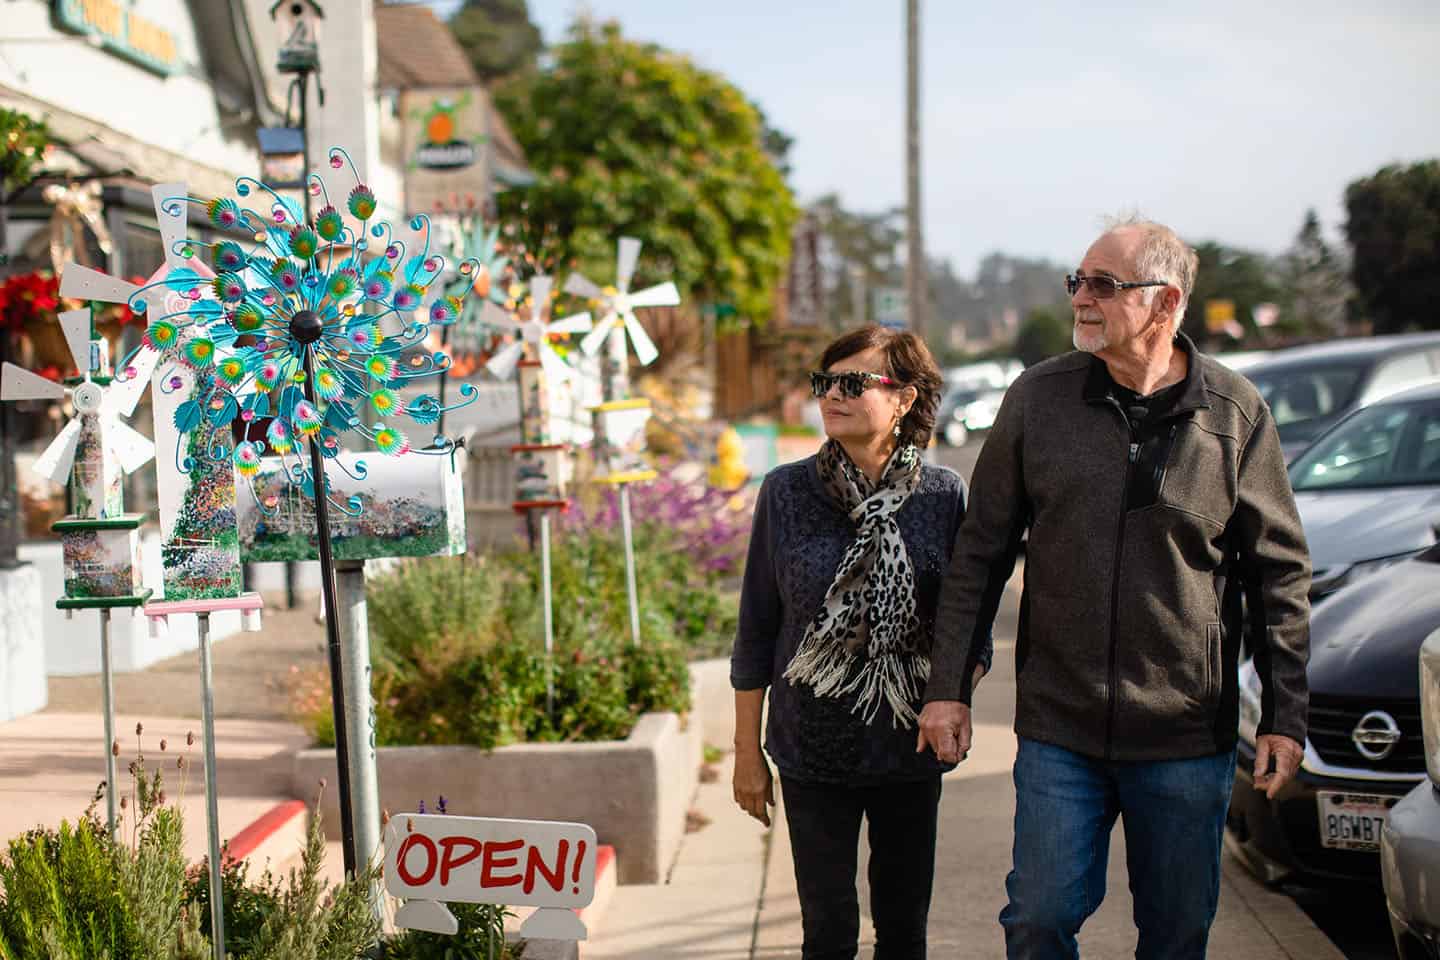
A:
1249,702
1332,579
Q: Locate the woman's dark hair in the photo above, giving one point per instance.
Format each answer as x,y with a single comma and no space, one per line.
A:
908,360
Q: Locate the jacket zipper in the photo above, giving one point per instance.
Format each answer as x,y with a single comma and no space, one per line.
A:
1115,582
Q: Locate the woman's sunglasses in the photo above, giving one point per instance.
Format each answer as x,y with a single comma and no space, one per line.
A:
852,383
1103,287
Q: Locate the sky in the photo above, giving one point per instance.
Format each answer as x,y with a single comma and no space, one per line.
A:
1225,119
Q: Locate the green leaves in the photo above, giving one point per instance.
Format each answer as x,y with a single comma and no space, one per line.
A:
1393,226
628,138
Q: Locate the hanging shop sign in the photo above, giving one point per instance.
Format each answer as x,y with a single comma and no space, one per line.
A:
120,30
444,134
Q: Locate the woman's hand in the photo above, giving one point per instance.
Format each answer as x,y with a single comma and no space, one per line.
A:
754,784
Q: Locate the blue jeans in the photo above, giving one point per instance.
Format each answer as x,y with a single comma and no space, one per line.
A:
1065,806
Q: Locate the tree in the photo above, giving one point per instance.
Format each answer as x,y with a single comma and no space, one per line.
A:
1318,283
1393,227
1045,332
628,138
497,36
860,252
1244,278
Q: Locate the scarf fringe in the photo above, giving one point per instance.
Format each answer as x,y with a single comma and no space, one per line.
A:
896,678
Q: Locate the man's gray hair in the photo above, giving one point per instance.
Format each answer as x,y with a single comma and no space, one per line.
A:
1162,256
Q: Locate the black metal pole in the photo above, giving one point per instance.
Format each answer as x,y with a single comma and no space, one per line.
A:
327,560
444,375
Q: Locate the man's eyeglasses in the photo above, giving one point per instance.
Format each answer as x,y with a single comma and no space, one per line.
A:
1103,287
852,383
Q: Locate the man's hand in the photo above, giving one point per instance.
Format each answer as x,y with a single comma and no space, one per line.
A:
1287,755
754,784
945,728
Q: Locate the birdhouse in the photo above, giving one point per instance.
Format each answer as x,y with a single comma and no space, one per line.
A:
282,156
298,22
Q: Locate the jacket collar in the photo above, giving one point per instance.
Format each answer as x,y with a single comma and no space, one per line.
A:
1193,393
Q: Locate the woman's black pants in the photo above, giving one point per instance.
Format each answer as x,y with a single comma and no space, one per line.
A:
824,822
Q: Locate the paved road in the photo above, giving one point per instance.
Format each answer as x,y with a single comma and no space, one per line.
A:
1353,919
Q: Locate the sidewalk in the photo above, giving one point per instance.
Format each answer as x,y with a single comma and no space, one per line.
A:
731,894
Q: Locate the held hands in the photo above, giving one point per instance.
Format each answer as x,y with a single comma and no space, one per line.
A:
754,785
1287,755
945,726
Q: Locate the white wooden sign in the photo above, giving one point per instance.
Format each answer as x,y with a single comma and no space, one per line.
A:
432,859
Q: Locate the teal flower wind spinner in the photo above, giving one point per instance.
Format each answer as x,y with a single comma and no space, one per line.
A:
483,282
293,329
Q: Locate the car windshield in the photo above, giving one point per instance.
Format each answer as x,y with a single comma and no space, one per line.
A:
1299,396
1387,445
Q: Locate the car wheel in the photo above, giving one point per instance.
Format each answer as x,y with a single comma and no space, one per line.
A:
956,434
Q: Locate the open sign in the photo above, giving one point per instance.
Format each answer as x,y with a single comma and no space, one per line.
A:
433,859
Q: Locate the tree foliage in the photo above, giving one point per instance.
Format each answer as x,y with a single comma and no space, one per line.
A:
1393,227
498,37
1045,332
1243,277
628,138
1317,282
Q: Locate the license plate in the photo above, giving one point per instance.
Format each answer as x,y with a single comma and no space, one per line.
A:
1351,821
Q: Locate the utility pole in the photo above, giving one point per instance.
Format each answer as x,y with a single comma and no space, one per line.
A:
915,285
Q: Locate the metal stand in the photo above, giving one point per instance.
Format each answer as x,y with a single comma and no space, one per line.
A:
212,796
107,700
249,606
549,622
631,590
359,712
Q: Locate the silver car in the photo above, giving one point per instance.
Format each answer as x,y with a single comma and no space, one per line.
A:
1410,841
1368,491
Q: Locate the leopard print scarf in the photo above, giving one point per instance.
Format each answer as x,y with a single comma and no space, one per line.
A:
864,637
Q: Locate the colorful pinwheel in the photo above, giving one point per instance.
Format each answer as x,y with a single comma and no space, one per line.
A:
293,327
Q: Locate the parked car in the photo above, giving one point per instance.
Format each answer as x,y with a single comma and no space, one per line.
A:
1369,490
1241,360
1410,842
1365,749
966,409
1310,388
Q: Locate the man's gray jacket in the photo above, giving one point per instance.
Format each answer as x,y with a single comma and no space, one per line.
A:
1140,550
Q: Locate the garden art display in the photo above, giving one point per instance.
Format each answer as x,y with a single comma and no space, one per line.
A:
619,419
298,333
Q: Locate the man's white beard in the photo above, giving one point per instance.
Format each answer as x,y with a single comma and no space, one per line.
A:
1088,339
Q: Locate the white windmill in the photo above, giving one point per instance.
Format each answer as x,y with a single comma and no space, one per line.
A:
620,303
96,442
534,334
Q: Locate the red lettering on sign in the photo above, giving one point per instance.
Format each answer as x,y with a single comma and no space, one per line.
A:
491,861
448,861
416,840
535,863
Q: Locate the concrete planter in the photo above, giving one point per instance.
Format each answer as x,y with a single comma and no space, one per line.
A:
22,643
634,792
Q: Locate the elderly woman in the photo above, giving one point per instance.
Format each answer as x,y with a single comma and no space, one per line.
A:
836,618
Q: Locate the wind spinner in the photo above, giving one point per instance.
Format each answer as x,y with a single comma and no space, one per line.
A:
620,420
100,541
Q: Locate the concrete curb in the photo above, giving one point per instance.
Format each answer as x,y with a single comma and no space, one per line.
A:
633,792
276,836
1279,916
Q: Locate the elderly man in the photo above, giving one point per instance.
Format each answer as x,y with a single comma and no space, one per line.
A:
1152,485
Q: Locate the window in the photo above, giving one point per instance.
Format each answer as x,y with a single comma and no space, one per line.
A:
1298,396
1382,446
1396,374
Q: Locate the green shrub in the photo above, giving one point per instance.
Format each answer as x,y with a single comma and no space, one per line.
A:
481,937
458,644
76,893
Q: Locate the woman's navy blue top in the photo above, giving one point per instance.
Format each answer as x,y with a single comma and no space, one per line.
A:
796,543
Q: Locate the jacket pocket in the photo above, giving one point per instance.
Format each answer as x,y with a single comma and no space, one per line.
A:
1213,680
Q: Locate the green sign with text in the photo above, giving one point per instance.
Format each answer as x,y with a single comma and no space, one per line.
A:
121,31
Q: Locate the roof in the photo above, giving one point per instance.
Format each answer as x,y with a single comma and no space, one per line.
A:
1360,350
416,49
1422,393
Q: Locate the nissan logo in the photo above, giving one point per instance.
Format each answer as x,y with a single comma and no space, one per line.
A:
1376,734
